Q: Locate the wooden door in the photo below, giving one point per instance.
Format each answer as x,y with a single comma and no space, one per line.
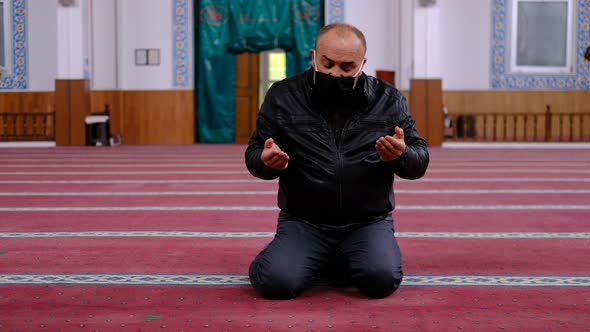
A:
247,91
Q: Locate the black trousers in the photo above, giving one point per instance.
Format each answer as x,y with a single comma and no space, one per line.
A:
365,256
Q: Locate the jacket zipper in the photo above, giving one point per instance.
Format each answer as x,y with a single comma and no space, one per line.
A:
339,177
338,156
340,163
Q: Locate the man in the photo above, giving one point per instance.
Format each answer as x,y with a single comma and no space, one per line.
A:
334,137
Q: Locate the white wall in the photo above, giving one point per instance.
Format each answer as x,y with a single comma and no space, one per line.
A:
144,24
121,26
406,46
379,20
103,62
72,41
118,28
42,45
465,44
426,55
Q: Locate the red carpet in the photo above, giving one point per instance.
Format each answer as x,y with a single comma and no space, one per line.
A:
123,308
159,238
265,221
268,200
212,256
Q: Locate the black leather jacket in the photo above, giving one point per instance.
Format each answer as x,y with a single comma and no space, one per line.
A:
326,182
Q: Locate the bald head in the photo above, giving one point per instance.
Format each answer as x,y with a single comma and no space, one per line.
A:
341,31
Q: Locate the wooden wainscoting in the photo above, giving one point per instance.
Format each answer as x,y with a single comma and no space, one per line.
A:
21,102
38,124
570,112
149,117
140,117
167,116
490,101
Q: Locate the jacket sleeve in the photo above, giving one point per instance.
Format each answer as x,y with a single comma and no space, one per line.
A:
266,128
412,164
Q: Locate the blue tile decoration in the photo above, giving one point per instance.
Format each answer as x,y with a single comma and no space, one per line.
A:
502,78
17,78
335,11
181,45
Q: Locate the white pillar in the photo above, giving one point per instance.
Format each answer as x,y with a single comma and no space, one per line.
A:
426,39
104,42
406,44
72,39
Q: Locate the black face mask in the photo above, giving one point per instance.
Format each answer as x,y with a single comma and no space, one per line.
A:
333,87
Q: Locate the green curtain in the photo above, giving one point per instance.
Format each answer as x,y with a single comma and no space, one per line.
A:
228,27
308,19
215,74
260,25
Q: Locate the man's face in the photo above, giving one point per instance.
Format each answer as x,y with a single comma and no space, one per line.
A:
339,55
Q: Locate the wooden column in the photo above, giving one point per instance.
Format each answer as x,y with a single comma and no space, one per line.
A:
426,109
247,89
386,75
72,105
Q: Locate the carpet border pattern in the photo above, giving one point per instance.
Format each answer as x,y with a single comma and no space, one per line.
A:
182,234
242,280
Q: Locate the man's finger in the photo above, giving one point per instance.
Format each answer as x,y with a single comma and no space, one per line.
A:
391,143
279,161
277,157
268,143
399,133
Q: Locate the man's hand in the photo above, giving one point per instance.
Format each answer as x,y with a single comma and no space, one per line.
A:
273,156
391,147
